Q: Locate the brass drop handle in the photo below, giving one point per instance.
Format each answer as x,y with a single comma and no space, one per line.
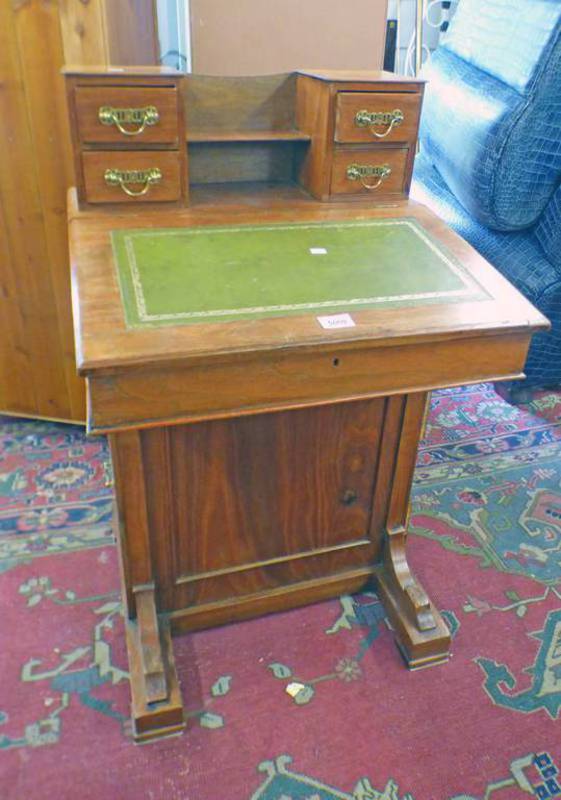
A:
120,117
360,172
119,177
391,119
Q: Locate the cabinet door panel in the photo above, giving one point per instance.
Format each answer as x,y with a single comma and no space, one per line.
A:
267,500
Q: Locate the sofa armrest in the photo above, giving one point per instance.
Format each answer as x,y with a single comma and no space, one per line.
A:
548,229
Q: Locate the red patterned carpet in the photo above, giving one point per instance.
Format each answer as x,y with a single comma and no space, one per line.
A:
355,725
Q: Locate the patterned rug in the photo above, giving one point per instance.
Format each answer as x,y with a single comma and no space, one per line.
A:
312,704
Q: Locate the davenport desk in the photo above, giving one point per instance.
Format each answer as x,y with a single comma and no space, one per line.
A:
261,359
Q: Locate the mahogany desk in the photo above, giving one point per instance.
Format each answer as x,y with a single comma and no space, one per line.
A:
262,461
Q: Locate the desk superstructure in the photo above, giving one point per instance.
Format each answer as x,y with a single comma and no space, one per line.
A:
263,461
338,134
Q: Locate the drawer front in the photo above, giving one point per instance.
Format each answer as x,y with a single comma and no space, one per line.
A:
127,115
371,170
127,176
377,117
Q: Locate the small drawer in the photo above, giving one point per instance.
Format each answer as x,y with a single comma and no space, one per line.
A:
128,115
368,170
127,176
377,117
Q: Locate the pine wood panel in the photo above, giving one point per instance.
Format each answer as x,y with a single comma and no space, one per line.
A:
84,32
38,373
37,363
109,31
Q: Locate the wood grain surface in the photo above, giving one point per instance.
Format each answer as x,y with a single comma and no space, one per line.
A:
37,365
85,91
105,343
349,104
371,156
95,163
256,503
288,378
266,463
251,103
89,99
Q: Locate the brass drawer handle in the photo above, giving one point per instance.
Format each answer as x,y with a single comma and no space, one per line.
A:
391,119
360,172
121,177
120,117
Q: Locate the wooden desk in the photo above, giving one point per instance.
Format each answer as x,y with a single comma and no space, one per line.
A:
265,462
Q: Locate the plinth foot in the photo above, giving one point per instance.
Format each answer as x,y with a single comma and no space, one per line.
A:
421,633
156,707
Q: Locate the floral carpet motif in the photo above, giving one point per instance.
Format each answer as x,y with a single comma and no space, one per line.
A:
55,490
488,488
311,704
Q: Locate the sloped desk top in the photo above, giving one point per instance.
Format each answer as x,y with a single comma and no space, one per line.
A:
182,276
424,260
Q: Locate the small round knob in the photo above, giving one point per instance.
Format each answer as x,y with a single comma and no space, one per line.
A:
349,497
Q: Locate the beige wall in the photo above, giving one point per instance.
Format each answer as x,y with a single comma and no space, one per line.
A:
252,37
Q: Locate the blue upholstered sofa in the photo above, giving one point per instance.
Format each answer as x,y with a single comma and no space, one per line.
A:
490,158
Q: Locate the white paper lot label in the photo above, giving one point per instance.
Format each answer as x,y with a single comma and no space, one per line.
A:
336,321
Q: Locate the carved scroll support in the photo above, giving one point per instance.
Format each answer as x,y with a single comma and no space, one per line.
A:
422,635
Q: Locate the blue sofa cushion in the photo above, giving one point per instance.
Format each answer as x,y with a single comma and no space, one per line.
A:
492,113
518,256
505,38
548,229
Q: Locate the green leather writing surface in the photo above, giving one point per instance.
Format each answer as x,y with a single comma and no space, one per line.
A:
188,275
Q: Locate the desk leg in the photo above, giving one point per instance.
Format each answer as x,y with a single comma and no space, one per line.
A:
421,633
157,707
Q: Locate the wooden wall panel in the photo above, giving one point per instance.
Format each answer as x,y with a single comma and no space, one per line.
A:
121,32
37,37
38,374
83,30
